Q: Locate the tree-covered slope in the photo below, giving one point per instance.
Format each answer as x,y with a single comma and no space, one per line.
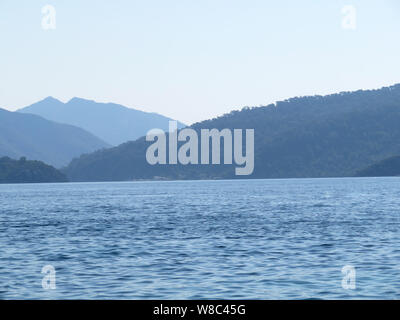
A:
31,136
111,122
26,171
318,136
385,168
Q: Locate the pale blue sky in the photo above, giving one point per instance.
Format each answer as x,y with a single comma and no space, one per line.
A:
192,60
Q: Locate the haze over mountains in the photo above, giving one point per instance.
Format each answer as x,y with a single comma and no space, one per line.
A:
317,136
112,123
33,137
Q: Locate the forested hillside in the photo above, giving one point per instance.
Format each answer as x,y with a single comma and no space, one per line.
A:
27,171
317,136
385,168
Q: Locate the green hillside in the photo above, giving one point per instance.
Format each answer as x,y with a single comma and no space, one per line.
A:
316,136
385,168
26,171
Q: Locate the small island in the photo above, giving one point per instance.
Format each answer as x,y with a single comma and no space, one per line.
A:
28,171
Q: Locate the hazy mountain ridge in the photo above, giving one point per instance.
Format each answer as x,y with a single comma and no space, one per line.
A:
111,122
315,136
31,136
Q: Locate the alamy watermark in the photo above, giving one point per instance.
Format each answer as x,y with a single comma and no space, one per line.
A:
349,278
49,279
49,17
188,153
349,19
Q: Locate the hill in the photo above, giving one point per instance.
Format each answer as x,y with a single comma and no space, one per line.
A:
111,122
385,168
25,171
31,136
315,136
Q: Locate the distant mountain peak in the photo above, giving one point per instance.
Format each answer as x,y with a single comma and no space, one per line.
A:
111,122
50,99
77,99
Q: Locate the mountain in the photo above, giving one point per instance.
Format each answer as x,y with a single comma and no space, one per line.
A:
386,168
315,136
31,136
111,122
27,171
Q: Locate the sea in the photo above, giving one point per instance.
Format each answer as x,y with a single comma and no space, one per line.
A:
223,239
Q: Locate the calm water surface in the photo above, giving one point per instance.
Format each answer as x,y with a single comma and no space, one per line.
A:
252,239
